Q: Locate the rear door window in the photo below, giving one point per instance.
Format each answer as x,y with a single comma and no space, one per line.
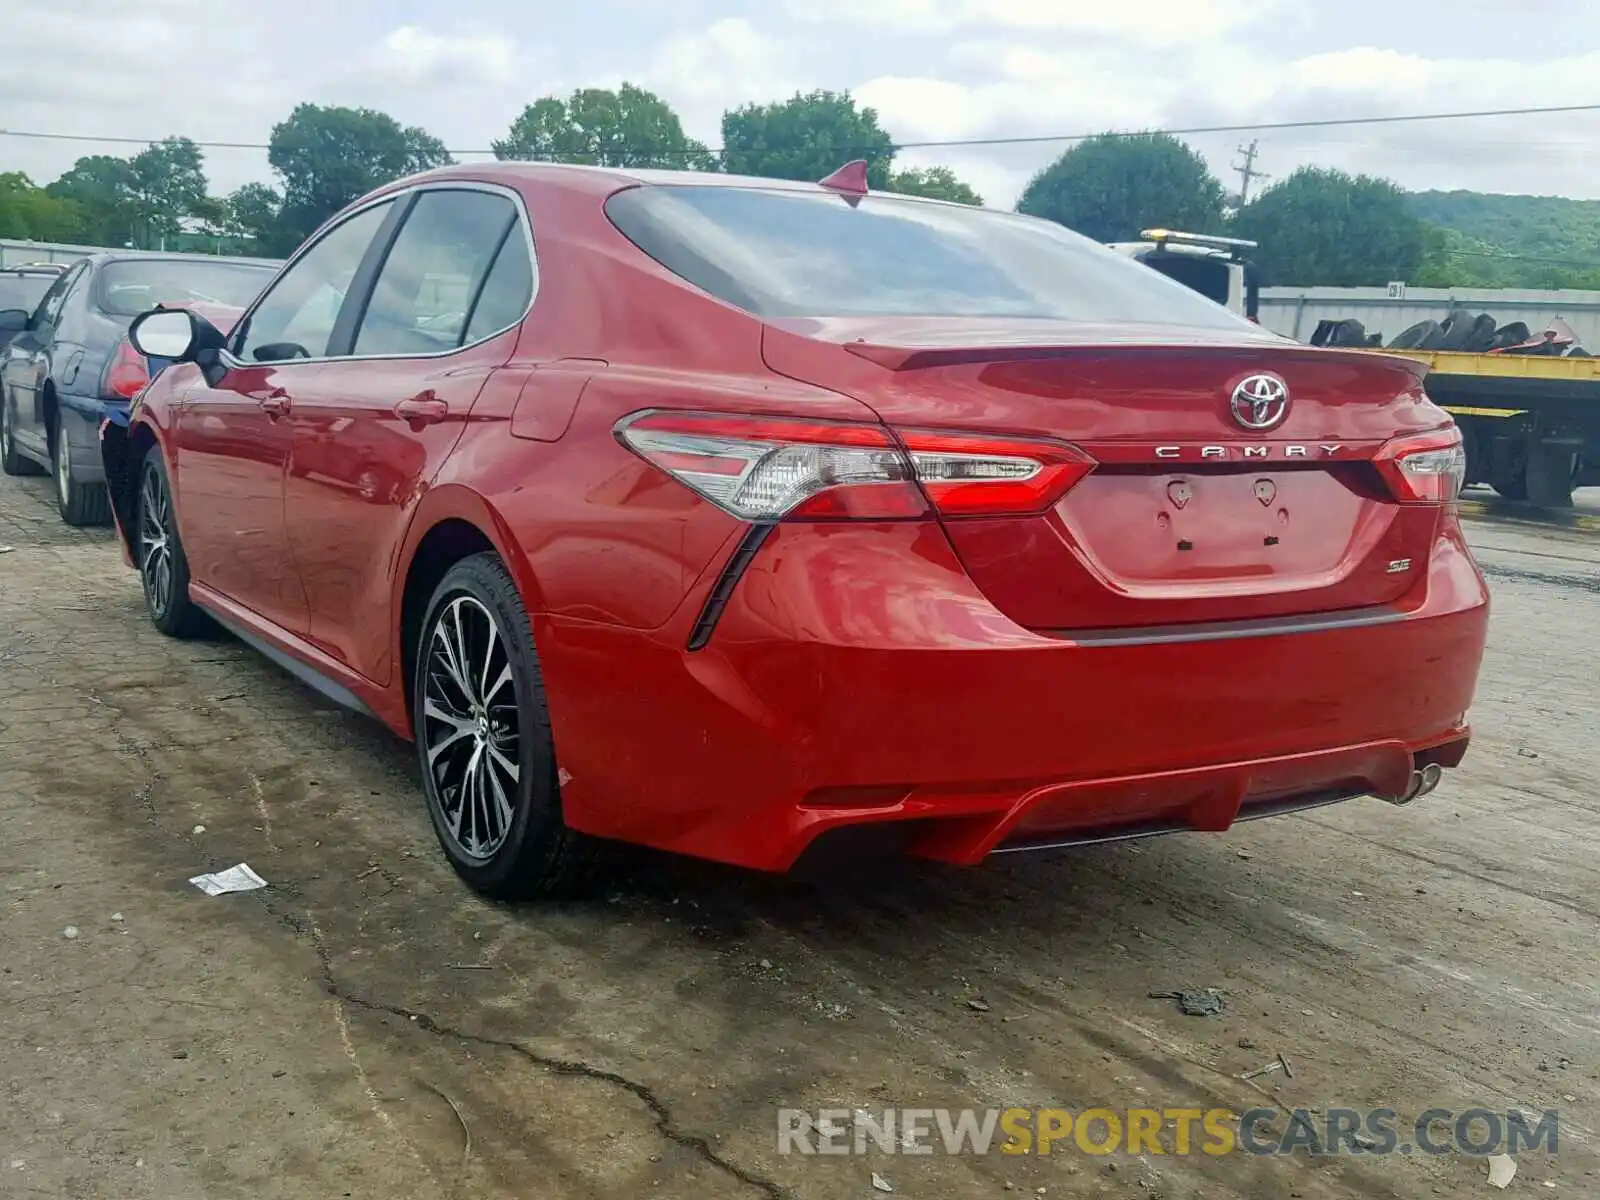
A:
779,253
506,292
424,295
49,310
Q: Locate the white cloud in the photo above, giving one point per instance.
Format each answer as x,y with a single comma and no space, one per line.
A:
726,64
418,57
1158,22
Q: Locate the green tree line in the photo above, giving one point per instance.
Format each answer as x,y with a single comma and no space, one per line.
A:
1316,226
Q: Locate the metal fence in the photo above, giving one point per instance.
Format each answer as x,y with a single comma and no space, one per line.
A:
1296,311
15,253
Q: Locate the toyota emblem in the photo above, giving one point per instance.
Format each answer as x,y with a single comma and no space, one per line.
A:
1260,401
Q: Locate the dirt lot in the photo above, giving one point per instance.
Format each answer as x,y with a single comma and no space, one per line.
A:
366,1028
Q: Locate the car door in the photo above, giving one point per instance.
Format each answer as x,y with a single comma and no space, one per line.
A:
233,434
376,424
27,359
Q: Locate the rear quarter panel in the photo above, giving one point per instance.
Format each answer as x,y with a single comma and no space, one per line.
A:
603,535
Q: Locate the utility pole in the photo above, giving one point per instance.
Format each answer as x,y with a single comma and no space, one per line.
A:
1247,171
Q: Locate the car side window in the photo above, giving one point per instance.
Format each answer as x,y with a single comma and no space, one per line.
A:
423,297
505,293
50,304
295,319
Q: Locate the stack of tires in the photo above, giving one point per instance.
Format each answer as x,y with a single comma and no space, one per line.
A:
1465,333
1461,331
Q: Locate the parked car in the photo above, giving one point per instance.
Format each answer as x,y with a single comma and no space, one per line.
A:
68,364
21,289
722,514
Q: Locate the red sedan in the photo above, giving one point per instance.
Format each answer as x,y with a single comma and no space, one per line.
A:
720,514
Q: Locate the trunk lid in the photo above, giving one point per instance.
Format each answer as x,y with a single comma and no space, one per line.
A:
1191,516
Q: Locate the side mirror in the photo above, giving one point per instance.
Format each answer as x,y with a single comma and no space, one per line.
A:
177,334
13,320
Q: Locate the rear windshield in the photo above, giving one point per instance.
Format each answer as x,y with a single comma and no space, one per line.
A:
1211,277
132,286
23,291
812,254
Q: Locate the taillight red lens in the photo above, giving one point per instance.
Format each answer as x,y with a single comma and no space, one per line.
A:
127,374
968,474
1425,468
774,468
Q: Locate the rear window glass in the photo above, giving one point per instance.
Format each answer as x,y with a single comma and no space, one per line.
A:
811,254
23,291
1209,276
133,286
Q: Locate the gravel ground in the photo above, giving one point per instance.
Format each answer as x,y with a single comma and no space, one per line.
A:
365,1027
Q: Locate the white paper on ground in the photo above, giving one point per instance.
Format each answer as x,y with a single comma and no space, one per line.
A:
1502,1170
235,879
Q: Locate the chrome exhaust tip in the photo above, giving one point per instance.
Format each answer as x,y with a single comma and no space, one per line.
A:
1421,783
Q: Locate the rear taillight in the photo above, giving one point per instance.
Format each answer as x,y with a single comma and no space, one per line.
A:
127,374
1427,468
773,468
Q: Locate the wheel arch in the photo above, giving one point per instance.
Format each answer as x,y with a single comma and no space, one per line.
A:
451,523
49,407
122,453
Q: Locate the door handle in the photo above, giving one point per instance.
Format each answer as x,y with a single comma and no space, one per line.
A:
425,408
275,403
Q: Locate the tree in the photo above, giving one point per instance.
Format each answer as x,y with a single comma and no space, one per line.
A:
806,137
1111,186
30,213
629,127
103,188
938,183
168,185
251,213
329,156
1322,227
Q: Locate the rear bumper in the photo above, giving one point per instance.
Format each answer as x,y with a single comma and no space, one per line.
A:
857,676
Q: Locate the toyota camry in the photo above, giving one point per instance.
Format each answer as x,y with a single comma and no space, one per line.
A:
725,515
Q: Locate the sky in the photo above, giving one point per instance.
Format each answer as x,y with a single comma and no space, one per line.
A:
935,70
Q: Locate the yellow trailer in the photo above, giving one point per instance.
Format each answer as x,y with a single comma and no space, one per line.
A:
1531,422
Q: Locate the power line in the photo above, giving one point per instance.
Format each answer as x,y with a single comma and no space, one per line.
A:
949,143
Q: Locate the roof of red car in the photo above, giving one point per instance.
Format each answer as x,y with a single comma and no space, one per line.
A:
609,179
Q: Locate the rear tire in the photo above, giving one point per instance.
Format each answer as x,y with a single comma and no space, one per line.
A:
484,744
1413,337
158,551
1551,473
79,504
1508,468
12,460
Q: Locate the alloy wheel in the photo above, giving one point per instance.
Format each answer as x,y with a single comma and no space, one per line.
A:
470,727
155,542
5,429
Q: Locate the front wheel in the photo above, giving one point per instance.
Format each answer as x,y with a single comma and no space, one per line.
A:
163,567
484,744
